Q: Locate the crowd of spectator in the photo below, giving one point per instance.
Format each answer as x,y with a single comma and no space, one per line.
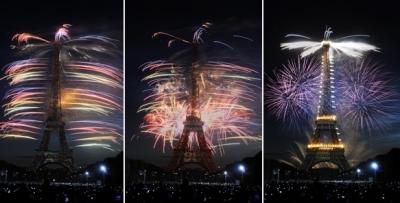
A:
51,193
292,191
192,193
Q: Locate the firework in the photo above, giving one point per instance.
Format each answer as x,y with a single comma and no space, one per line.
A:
292,93
90,90
289,95
364,91
225,100
337,47
366,95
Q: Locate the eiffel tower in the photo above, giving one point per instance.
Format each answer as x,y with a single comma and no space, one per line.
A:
325,146
54,124
184,154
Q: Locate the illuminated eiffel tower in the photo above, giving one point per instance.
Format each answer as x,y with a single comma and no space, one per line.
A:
54,125
183,153
325,146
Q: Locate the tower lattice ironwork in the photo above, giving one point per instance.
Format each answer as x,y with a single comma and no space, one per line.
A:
183,153
54,124
325,145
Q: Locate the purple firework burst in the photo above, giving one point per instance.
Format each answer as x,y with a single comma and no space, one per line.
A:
292,94
364,94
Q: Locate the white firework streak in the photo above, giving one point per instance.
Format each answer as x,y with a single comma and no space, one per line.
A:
349,48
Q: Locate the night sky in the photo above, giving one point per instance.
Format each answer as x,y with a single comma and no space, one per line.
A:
181,18
379,19
40,17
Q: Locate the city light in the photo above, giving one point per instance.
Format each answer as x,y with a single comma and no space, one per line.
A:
103,168
242,168
225,175
358,171
87,173
374,166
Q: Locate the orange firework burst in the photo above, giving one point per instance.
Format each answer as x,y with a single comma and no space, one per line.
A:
226,94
